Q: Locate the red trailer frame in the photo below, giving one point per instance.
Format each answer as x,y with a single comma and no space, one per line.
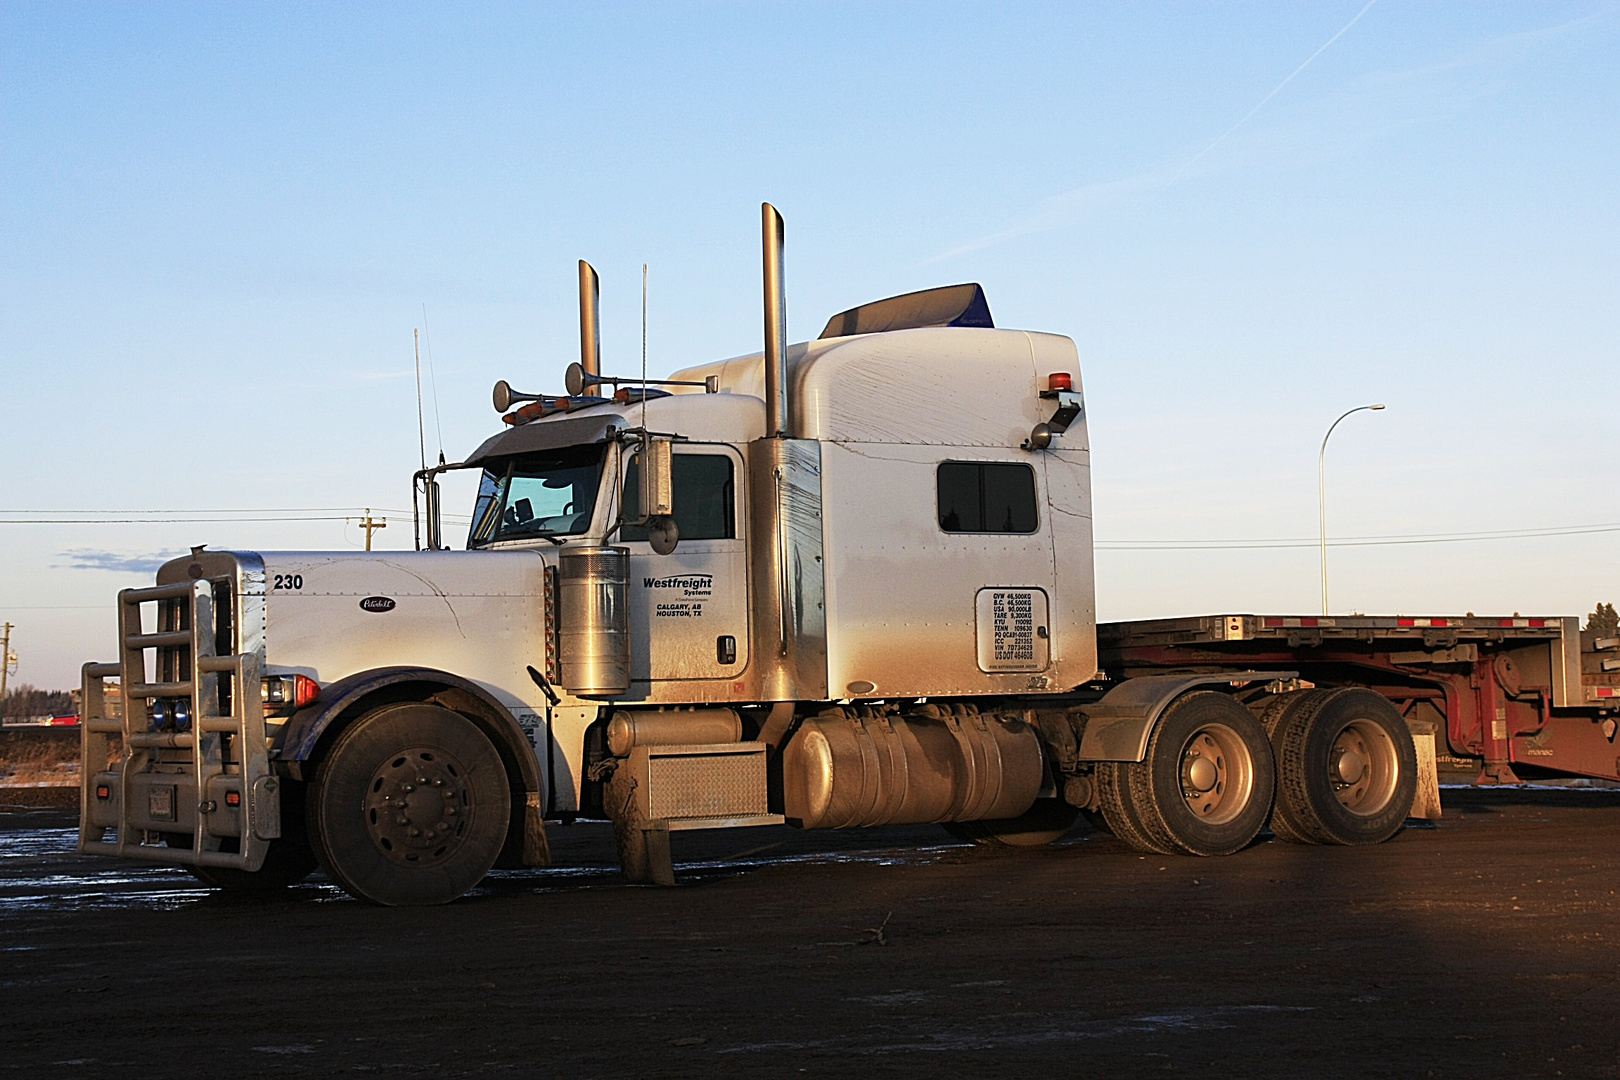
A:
1496,691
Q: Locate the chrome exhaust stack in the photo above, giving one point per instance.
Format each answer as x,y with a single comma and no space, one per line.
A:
590,323
776,374
789,625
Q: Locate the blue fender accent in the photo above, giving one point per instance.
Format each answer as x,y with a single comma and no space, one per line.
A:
302,733
301,736
1118,726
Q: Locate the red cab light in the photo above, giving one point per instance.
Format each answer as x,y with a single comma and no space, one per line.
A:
1060,380
103,792
233,798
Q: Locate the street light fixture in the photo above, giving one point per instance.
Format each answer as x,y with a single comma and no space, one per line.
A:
1321,491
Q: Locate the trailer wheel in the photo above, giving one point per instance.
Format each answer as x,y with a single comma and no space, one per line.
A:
1205,786
1276,717
410,806
1038,826
1348,769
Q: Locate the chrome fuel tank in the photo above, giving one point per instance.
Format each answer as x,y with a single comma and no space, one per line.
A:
855,767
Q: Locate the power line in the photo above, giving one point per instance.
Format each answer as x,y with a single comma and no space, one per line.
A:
1350,541
193,517
188,520
204,510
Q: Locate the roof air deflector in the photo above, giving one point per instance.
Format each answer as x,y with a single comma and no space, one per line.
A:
950,305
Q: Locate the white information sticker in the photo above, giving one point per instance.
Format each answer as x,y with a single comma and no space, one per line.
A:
1013,631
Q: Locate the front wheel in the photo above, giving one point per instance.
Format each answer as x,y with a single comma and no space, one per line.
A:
1205,787
410,806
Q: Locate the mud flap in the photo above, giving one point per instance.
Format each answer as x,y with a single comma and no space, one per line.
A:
1426,799
644,856
536,850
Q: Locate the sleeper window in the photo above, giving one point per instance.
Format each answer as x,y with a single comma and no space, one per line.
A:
986,497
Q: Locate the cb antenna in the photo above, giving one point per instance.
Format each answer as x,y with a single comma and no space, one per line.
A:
643,346
433,383
421,431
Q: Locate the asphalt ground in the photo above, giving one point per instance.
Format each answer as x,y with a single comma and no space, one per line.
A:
1483,945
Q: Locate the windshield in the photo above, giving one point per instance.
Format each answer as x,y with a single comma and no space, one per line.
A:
550,493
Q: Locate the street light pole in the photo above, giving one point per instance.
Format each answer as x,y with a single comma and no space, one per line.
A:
1321,493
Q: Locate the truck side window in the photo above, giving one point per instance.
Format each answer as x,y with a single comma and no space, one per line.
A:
705,499
986,497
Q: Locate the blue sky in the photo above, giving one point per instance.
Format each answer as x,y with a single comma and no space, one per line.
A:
221,223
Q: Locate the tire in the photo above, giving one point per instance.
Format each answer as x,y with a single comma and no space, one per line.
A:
1276,717
409,807
1347,769
1205,787
1038,826
287,863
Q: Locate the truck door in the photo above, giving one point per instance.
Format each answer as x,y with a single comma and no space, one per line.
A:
689,609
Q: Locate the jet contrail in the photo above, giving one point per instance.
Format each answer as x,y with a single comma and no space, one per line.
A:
1271,95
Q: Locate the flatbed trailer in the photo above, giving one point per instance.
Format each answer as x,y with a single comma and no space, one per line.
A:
1496,691
842,584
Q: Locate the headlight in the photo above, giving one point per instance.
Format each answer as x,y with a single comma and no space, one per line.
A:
160,715
181,711
283,694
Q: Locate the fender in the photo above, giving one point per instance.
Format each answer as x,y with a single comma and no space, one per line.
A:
303,732
1119,725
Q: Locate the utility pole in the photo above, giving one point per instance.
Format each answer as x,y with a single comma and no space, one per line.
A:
8,661
372,525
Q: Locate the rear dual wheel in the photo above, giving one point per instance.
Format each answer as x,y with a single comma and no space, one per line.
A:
1346,767
1205,786
410,806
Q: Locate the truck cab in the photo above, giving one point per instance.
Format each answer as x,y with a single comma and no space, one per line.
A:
840,583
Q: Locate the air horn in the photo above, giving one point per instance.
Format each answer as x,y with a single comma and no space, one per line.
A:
578,381
505,396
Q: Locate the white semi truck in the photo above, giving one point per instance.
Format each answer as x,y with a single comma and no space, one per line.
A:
838,584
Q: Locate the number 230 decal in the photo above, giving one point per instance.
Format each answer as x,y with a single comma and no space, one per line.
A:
288,581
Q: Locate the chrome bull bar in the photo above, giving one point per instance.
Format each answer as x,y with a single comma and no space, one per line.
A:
211,778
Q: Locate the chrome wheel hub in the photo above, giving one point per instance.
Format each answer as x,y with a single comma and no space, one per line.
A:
1363,767
1217,775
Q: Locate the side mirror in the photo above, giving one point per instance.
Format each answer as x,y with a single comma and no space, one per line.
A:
663,535
657,478
434,530
657,493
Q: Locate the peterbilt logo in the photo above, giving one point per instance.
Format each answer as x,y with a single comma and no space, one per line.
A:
377,603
